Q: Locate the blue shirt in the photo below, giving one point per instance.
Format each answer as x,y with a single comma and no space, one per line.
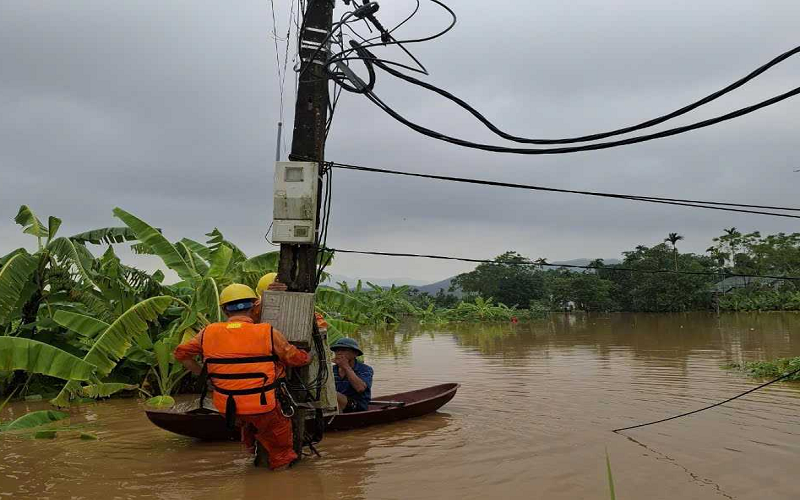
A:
343,385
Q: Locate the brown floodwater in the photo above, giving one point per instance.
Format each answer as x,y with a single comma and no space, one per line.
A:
532,420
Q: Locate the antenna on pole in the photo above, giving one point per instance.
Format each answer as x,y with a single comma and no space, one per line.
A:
278,144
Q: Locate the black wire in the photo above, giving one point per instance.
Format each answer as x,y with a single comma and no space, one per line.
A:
591,137
650,199
414,13
422,69
587,147
784,376
566,266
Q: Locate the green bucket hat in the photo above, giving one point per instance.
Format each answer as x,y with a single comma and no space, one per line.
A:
347,343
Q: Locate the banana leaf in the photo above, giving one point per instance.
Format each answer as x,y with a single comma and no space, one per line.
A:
263,264
197,248
35,419
104,390
220,261
207,301
114,343
18,353
108,235
216,239
30,223
139,355
195,262
161,402
5,258
53,223
346,305
81,324
153,239
75,254
13,278
111,346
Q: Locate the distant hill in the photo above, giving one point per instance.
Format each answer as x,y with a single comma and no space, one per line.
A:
434,288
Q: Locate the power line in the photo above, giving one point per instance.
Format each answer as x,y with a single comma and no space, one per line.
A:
566,266
576,149
782,377
362,53
711,205
591,137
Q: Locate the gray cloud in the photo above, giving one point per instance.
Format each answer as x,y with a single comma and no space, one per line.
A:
170,111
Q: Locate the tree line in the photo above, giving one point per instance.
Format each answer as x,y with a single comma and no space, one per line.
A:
631,286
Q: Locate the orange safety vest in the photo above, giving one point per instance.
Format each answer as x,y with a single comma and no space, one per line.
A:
240,363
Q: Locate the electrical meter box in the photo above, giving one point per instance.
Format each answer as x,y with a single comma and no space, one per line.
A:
295,202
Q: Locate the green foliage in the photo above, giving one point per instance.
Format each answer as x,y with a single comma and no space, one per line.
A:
14,275
587,290
114,342
31,223
161,402
108,235
661,292
769,369
104,390
512,279
81,324
35,419
37,357
758,300
611,493
159,245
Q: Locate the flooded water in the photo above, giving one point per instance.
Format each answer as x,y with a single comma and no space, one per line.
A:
532,420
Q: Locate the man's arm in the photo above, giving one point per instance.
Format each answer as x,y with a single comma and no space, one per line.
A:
347,372
186,353
288,354
355,381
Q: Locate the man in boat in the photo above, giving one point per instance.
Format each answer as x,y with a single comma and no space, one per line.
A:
353,378
246,362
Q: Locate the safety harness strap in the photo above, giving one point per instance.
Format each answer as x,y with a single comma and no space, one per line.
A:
244,360
237,376
246,392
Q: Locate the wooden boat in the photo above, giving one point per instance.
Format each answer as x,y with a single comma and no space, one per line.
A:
209,425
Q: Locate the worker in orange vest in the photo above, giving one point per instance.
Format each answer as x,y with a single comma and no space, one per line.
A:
246,363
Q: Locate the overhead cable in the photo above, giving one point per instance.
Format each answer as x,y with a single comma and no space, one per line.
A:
360,51
782,377
586,147
711,205
590,137
565,266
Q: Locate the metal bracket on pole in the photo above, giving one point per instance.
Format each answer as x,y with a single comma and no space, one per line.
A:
350,74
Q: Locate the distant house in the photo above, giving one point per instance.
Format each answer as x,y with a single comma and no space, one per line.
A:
736,282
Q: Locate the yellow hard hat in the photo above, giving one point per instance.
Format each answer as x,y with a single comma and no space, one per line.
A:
237,291
265,282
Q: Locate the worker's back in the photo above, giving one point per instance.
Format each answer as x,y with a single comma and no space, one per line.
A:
241,366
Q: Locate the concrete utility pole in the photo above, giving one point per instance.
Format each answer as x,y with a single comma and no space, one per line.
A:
298,263
297,267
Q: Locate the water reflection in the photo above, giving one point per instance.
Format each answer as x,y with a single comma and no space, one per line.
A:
645,336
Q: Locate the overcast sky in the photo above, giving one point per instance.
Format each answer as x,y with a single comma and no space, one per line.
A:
169,110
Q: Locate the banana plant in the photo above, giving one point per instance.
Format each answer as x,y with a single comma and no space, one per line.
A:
113,342
59,267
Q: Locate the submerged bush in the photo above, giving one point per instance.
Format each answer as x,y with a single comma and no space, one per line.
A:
769,369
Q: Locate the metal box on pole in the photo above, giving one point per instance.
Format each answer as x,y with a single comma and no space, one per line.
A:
292,313
295,202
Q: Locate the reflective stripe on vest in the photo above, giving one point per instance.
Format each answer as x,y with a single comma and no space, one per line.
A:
240,364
